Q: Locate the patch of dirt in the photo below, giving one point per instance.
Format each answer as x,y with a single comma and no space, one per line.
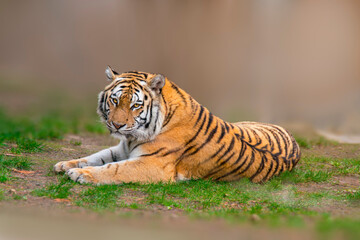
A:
334,151
42,175
174,219
337,183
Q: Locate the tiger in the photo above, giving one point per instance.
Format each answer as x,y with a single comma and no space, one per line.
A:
167,136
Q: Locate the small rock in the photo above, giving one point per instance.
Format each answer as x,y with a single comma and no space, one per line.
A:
255,218
174,216
12,191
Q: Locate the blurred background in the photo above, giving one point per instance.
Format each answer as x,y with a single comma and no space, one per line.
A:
279,61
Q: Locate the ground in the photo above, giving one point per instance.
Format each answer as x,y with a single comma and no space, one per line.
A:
320,198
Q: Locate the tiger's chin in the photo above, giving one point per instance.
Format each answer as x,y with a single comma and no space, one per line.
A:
134,135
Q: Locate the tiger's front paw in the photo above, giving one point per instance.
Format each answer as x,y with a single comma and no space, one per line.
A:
81,175
63,166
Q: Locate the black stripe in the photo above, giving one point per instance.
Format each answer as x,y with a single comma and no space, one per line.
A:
139,144
178,91
195,110
282,168
147,114
169,116
113,157
256,137
293,143
211,135
101,105
248,166
218,169
223,163
248,134
144,74
149,121
275,158
102,160
211,117
268,172
260,168
198,131
222,133
267,136
137,74
194,106
139,86
231,146
183,154
172,151
277,141
165,103
241,132
227,159
214,155
156,119
153,153
285,140
200,114
227,127
241,154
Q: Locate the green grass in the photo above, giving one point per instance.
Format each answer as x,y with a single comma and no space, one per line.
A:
205,198
354,195
18,129
2,195
96,127
322,141
100,197
278,199
27,145
27,132
335,166
305,175
318,141
303,142
29,135
8,162
59,190
75,143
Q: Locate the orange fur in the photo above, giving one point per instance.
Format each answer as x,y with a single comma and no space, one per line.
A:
191,143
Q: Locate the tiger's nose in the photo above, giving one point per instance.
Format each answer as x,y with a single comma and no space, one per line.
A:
118,126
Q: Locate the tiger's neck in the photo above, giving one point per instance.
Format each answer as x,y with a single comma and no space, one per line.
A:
181,108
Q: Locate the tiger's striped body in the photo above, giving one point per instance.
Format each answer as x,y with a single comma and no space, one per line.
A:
167,136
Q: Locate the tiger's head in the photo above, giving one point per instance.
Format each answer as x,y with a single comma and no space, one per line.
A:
131,105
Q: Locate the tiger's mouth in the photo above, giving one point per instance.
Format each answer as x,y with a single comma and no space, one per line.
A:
128,131
130,134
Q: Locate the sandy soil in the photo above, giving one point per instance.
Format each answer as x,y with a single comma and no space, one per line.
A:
42,217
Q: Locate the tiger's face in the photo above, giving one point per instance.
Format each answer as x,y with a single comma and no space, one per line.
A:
131,105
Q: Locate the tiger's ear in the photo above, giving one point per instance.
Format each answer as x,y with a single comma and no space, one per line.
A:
157,83
110,74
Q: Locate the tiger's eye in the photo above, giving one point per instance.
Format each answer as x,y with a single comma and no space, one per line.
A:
115,101
136,105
